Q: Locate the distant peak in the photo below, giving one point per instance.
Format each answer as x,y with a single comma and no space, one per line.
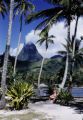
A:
29,53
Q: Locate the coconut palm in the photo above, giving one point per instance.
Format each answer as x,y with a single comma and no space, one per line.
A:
78,13
64,10
53,15
61,9
45,38
65,72
7,49
78,57
3,9
22,8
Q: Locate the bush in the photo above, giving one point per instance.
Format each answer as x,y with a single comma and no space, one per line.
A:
20,93
64,97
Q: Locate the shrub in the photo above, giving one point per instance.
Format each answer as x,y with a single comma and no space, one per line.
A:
64,97
20,93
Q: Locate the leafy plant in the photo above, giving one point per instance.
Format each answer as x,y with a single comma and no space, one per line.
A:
64,97
20,93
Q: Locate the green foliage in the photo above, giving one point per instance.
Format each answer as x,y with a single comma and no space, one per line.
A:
3,10
64,97
45,38
66,9
10,78
20,93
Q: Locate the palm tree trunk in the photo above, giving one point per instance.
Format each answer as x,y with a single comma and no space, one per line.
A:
14,72
40,71
19,40
73,52
65,73
67,59
74,37
7,50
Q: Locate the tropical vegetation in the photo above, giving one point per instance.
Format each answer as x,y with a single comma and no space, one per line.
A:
45,38
22,9
64,71
19,93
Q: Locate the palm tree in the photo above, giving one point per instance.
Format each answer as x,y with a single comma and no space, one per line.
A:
3,9
45,38
65,72
79,13
64,9
7,49
78,57
65,53
22,8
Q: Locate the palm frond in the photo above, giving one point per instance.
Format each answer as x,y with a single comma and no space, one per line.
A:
45,31
3,8
43,14
47,23
23,7
41,41
51,36
54,2
31,6
50,41
62,52
42,24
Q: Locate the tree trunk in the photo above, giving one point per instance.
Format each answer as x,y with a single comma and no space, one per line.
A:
74,37
14,72
7,50
73,52
19,40
73,55
67,59
65,73
40,71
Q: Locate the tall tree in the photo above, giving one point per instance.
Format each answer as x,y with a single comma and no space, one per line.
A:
7,49
79,12
61,10
52,16
78,57
45,38
65,9
23,7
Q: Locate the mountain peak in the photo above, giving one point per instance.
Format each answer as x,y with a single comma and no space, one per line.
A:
29,53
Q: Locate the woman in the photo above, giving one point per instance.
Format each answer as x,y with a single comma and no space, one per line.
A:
54,95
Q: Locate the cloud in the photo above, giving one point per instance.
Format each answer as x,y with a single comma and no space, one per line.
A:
32,36
14,50
60,33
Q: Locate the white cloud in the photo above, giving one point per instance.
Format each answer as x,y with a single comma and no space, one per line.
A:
61,34
14,50
59,31
32,36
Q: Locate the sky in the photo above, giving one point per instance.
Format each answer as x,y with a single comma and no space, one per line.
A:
28,34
